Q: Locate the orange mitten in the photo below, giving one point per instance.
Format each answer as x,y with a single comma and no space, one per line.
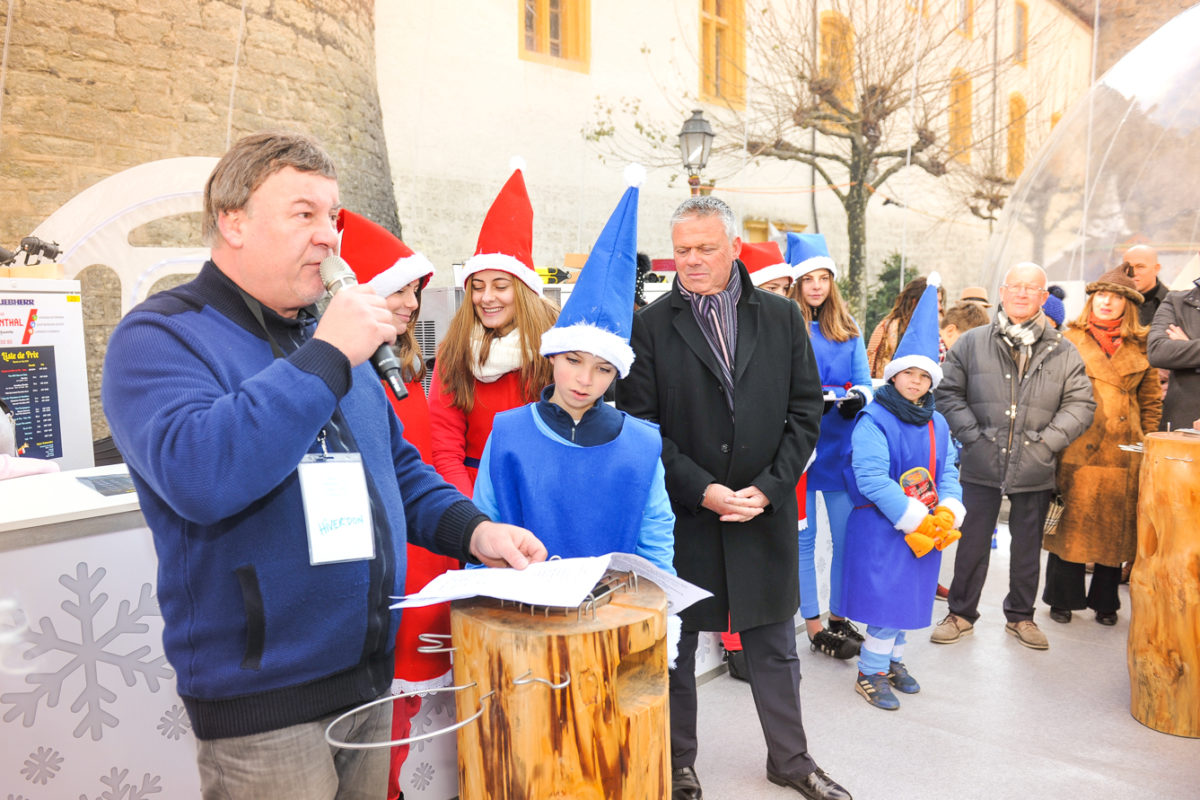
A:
923,538
943,518
946,539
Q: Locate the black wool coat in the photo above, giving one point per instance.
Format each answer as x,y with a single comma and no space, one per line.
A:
1182,405
750,567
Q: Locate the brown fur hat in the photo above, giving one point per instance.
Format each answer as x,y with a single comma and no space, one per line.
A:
1118,280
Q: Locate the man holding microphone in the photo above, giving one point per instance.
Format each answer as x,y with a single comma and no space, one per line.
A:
278,488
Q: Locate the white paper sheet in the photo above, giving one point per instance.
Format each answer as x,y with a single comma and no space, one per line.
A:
561,582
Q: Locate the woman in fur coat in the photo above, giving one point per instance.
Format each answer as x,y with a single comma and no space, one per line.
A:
1098,480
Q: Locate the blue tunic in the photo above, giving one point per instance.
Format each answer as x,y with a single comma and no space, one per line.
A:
580,501
883,583
842,365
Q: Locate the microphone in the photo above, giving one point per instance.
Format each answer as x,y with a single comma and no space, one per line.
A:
337,275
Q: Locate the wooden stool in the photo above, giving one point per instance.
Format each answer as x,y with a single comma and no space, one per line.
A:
1164,588
574,703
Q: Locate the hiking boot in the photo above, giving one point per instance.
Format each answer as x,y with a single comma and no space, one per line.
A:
876,691
831,644
951,629
942,593
898,676
1028,634
844,627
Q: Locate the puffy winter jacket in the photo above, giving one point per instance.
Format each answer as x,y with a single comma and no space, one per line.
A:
1011,429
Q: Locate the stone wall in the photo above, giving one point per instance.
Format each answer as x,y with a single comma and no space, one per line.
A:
96,86
1125,23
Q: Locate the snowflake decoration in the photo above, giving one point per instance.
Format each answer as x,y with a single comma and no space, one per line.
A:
174,723
422,776
709,649
42,765
118,789
433,707
87,655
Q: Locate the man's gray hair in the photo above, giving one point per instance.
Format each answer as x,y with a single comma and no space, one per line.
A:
252,160
1027,265
706,207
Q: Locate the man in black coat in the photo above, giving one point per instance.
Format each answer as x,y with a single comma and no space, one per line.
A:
1143,262
712,352
1174,344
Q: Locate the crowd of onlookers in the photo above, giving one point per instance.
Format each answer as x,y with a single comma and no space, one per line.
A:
254,423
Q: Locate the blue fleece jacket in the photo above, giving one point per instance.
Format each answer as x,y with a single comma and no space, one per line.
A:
213,426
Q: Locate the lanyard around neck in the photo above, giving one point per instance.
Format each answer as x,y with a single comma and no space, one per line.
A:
256,310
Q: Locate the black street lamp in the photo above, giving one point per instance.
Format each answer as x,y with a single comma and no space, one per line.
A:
695,144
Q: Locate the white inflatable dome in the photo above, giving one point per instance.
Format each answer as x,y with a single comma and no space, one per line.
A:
1122,167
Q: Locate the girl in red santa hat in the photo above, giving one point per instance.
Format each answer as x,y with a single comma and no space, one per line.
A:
489,360
396,273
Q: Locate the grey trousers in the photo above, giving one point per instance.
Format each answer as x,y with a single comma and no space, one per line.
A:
297,763
774,672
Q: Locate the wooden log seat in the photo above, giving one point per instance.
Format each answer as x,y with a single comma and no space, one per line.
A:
603,736
1164,588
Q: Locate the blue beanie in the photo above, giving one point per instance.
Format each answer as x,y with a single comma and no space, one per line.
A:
1055,309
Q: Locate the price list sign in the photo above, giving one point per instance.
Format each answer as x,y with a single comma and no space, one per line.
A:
29,384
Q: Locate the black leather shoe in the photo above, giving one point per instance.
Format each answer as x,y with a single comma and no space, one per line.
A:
685,785
1060,614
816,785
1106,619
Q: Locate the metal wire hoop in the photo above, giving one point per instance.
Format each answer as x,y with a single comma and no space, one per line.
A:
396,742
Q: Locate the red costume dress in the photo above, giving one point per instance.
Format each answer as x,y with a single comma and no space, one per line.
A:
415,671
459,437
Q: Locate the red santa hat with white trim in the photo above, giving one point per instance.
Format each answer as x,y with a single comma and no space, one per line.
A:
765,262
506,238
378,258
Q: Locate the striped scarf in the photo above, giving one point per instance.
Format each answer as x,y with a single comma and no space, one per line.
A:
716,314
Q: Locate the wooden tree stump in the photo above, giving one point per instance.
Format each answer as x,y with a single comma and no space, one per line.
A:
602,737
1164,588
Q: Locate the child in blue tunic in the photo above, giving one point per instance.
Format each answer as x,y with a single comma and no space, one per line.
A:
586,478
846,380
907,508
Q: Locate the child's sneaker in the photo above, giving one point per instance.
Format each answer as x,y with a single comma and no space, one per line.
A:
844,627
831,644
876,691
898,676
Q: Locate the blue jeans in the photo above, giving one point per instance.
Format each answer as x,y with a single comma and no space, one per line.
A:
837,505
876,653
297,763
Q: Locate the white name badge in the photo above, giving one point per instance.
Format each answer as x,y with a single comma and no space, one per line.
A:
337,510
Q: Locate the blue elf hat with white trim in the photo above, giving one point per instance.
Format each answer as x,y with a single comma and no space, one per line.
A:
807,252
598,316
920,343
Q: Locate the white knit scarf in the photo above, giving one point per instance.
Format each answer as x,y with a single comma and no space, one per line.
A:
504,356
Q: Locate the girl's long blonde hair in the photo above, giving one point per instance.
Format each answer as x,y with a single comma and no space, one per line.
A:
533,316
832,317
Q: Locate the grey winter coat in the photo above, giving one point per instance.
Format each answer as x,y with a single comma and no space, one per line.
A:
1182,405
1012,430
